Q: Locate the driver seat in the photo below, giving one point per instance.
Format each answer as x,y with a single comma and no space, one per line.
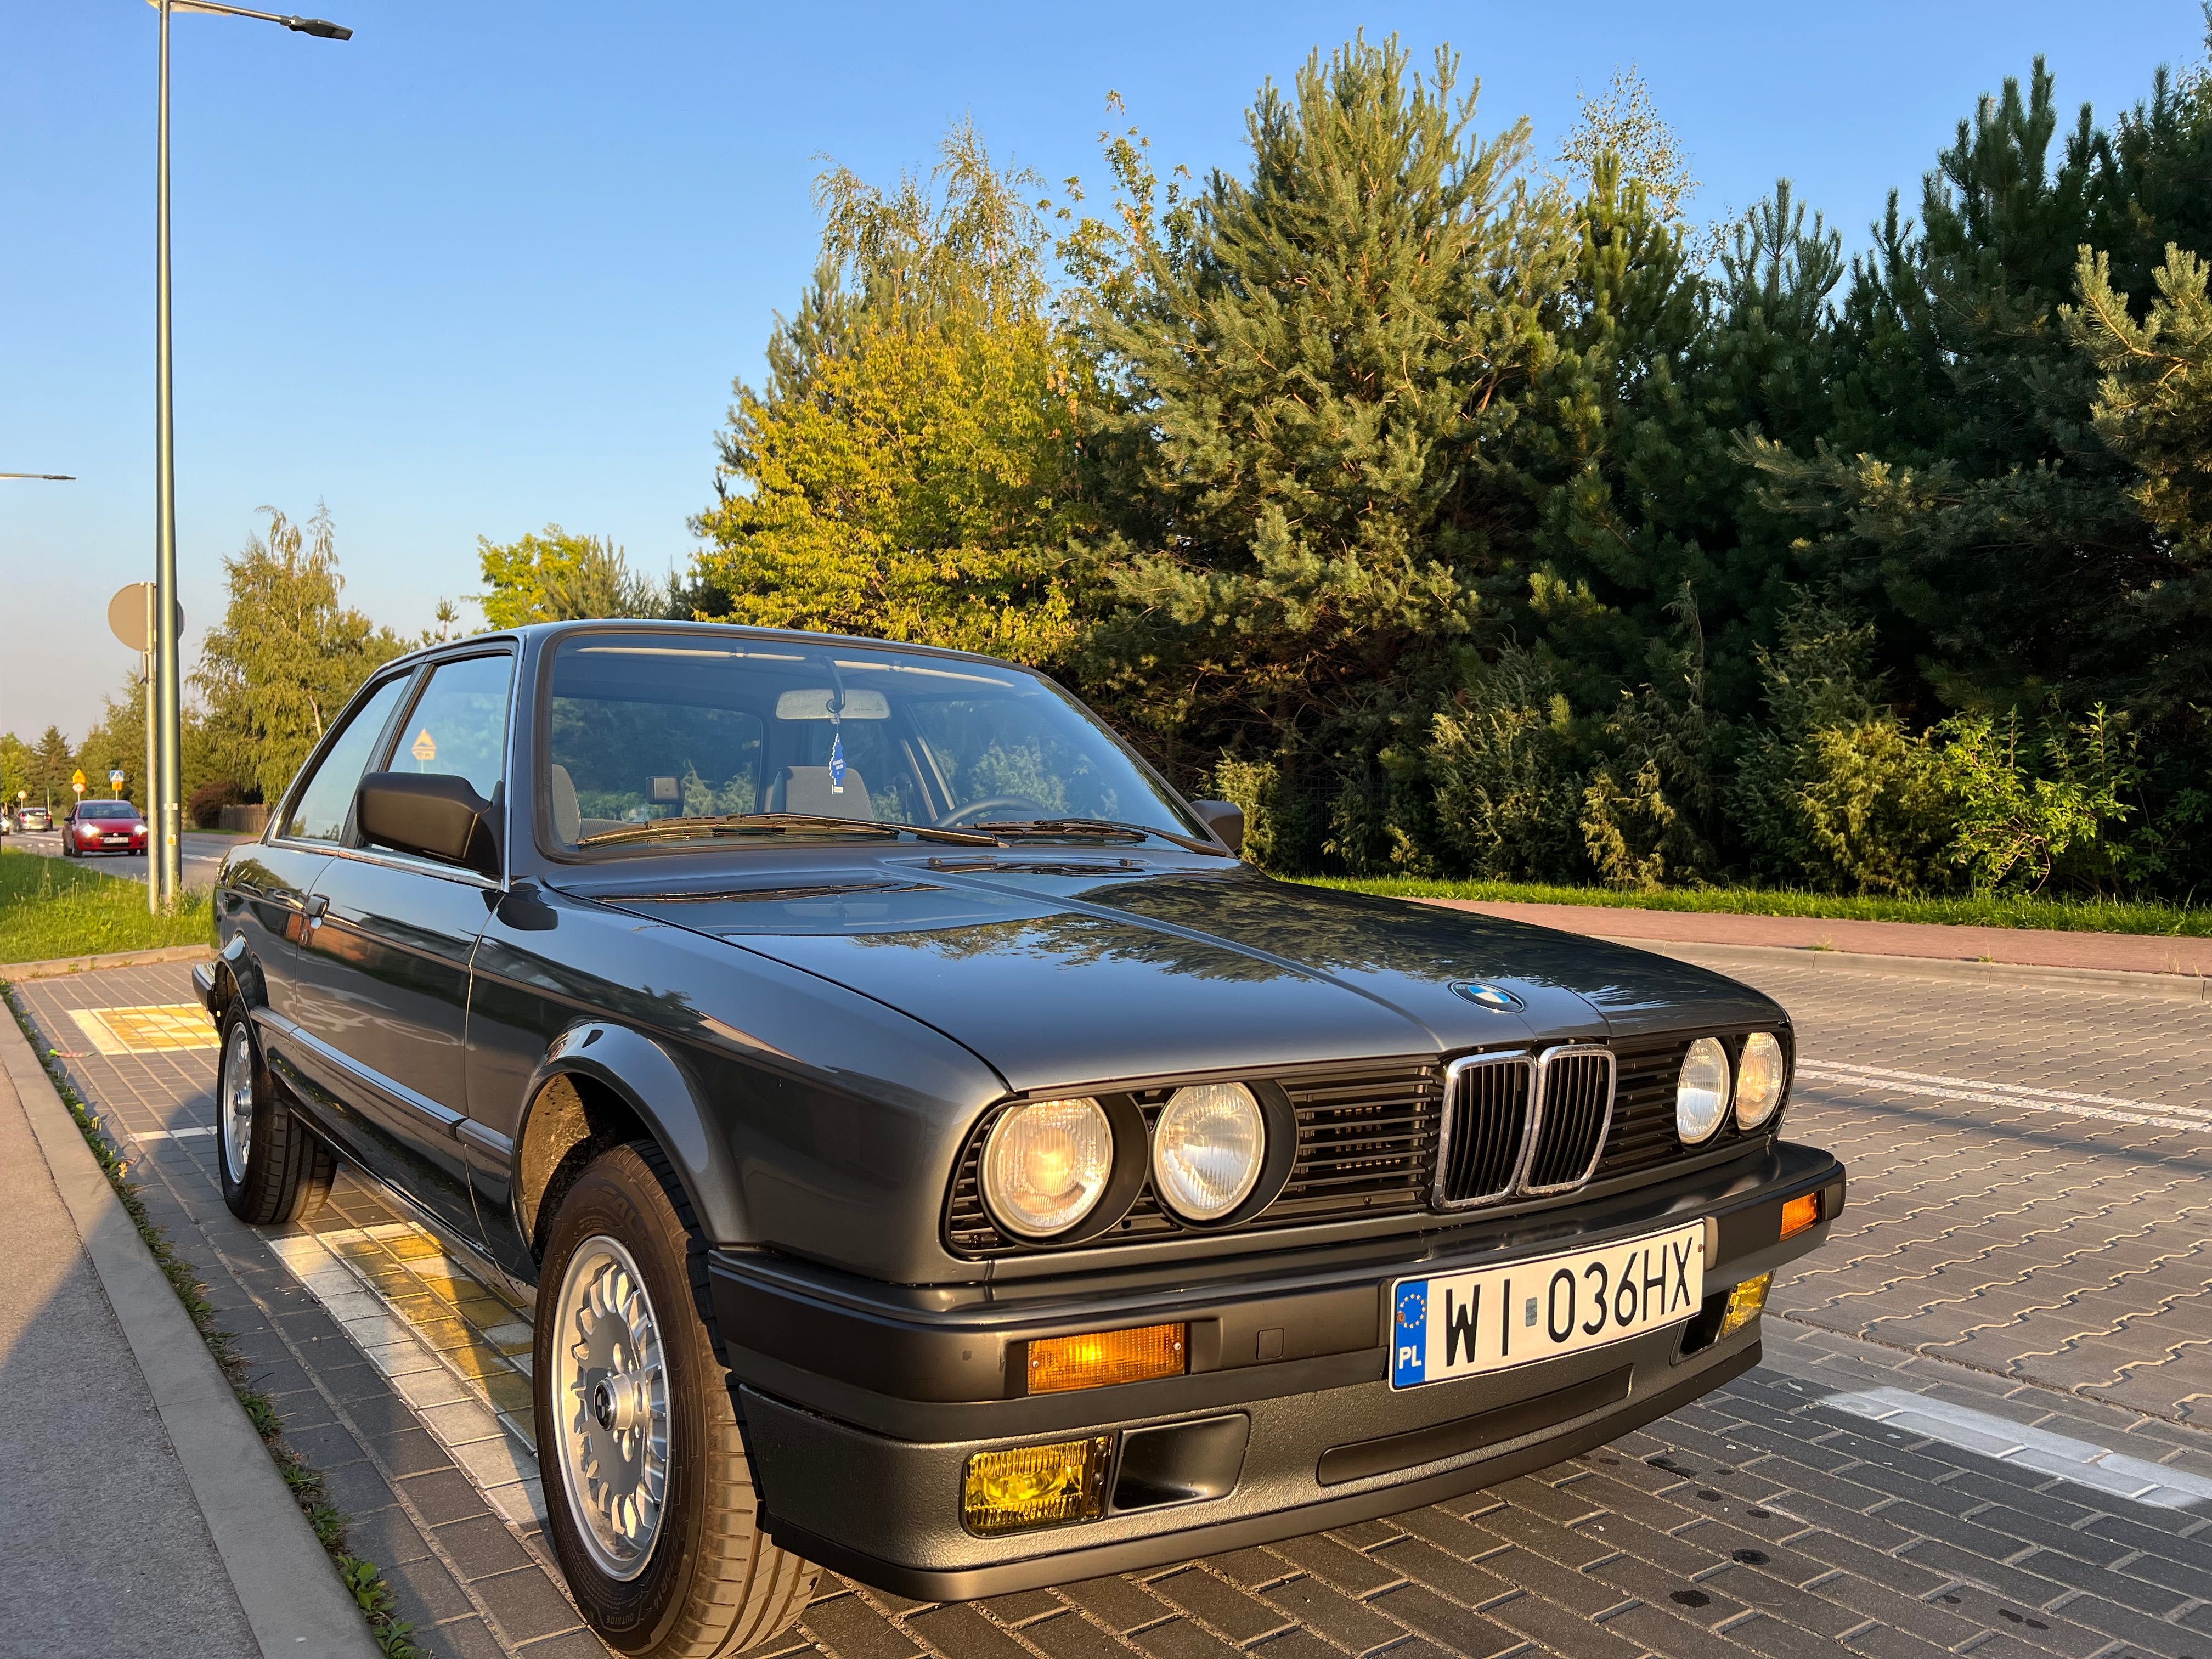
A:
806,789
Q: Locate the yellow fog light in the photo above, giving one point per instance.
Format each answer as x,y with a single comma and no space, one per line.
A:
1744,1303
1098,1358
1036,1485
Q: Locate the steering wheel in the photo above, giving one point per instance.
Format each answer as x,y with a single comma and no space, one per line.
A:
1014,805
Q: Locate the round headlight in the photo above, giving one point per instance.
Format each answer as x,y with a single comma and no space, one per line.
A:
1046,1165
1207,1149
1701,1098
1759,1077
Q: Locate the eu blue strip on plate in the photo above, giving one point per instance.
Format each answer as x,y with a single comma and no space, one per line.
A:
1409,1334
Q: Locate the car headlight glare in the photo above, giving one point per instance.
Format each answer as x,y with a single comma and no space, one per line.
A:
1046,1165
1701,1097
1759,1074
1207,1148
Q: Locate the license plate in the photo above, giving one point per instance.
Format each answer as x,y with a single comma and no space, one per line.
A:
1491,1320
114,841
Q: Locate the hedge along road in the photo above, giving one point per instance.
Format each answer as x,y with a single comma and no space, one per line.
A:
1976,1428
202,854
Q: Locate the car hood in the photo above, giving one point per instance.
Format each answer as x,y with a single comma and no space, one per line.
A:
1058,979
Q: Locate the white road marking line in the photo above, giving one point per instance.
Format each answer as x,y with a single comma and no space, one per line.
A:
2099,1467
171,1134
2023,1089
2154,1114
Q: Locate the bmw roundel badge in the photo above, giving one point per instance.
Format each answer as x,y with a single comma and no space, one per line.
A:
1489,996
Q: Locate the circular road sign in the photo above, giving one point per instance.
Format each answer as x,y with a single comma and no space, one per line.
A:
127,615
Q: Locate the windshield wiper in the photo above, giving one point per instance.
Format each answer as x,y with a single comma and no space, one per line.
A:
778,823
1108,827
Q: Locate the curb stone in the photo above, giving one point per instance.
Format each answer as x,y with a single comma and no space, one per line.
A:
292,1600
55,968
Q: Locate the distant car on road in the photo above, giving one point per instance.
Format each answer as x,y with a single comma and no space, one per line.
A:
103,826
35,817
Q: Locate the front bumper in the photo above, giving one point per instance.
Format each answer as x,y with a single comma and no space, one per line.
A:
864,1402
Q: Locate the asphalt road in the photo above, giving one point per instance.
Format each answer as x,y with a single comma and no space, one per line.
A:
202,854
1980,1426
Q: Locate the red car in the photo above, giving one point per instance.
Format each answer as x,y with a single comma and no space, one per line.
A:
103,826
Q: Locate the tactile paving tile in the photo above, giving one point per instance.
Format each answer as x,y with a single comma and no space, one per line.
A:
160,1028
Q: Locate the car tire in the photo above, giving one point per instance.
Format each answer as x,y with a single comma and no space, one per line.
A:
273,1166
665,1555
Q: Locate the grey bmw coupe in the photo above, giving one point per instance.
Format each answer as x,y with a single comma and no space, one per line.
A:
935,1156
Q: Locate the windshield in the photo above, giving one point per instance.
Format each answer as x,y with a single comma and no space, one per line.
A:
647,728
107,808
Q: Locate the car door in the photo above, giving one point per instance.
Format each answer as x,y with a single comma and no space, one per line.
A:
262,899
384,963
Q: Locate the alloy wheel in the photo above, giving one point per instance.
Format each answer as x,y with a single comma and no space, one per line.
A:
609,1387
234,1101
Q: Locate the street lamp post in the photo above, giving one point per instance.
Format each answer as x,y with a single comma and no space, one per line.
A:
166,869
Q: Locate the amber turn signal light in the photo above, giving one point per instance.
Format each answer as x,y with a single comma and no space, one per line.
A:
1098,1358
1036,1485
1800,1213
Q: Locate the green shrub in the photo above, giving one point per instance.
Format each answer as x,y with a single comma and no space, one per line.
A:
1501,765
2015,824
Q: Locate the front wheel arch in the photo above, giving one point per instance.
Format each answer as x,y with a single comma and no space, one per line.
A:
601,1085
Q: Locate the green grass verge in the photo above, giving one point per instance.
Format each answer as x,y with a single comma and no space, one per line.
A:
363,1578
1977,910
50,908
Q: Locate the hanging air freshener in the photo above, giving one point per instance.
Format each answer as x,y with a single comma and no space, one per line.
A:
837,744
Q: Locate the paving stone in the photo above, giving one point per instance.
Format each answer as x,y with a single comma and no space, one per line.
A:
2081,1543
1458,1630
2051,1632
1239,1616
851,1629
526,1603
1250,1568
481,1546
2126,1624
1350,1624
1071,1636
443,1496
1116,1603
1179,1639
1347,1569
963,1630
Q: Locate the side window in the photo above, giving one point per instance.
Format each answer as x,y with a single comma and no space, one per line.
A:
458,724
319,811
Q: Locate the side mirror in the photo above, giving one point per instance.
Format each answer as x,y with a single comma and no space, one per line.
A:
429,813
1225,819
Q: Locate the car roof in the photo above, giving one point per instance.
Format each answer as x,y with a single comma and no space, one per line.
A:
547,632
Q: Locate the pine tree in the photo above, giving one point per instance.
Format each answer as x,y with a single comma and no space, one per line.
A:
1314,364
52,763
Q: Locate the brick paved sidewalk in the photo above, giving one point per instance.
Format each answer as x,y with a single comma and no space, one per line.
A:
2140,953
1776,1519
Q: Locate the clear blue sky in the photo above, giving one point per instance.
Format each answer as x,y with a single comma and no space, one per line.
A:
486,266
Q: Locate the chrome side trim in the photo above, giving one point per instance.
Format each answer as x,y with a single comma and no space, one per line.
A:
1453,1074
1537,1103
435,1118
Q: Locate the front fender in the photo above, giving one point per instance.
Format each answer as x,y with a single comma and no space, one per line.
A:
654,1085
